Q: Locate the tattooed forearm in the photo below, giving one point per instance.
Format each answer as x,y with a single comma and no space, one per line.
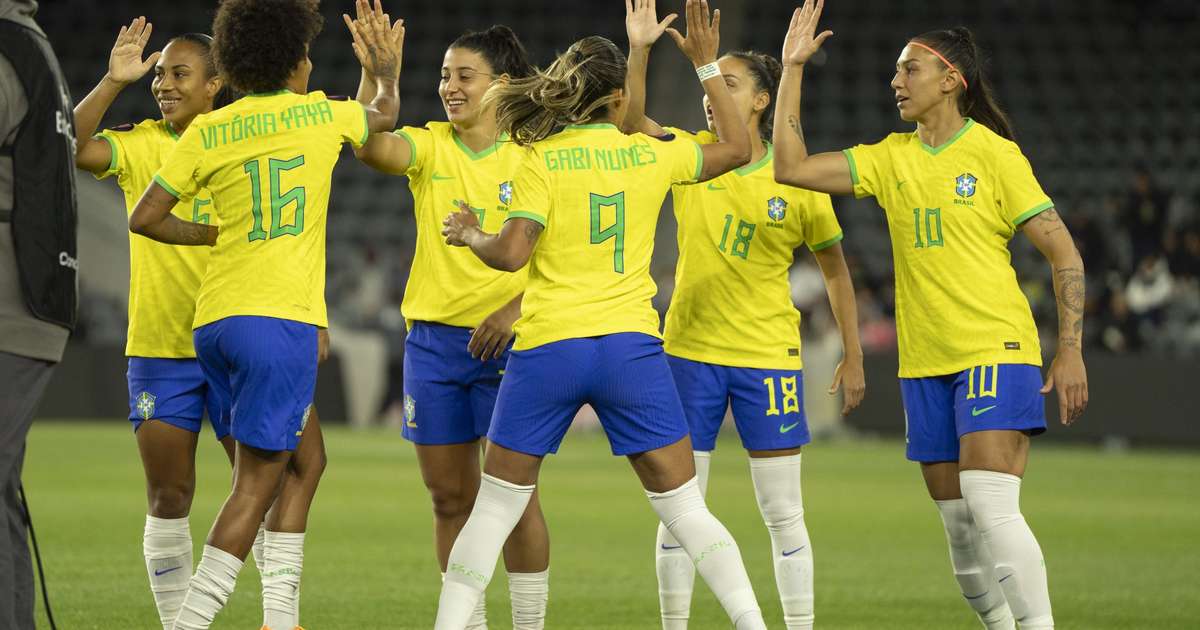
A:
1069,287
175,231
1049,221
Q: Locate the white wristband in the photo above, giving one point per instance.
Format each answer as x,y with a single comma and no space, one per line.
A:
709,71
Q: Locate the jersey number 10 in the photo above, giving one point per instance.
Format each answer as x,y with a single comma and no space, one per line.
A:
278,201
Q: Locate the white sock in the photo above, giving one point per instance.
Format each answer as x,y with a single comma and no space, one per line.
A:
994,499
777,488
283,562
498,507
529,592
257,548
973,566
676,573
478,620
167,547
713,550
215,577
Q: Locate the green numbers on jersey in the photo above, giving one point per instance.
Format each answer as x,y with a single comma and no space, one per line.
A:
614,231
741,238
787,387
197,216
933,228
278,201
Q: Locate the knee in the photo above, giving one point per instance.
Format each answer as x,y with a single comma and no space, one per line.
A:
451,502
310,469
170,500
781,513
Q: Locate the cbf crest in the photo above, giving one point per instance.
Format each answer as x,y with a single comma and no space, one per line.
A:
506,193
145,405
776,209
964,185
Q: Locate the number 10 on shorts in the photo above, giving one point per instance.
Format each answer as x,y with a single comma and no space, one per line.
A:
787,387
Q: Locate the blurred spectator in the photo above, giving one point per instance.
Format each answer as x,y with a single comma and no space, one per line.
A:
1145,214
1149,289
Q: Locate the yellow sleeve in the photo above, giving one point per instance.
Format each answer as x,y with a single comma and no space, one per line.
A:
1018,194
181,173
420,144
867,164
531,190
351,119
116,144
821,227
687,160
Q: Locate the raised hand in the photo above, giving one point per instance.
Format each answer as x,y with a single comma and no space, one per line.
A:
642,25
460,227
125,64
800,43
378,42
703,33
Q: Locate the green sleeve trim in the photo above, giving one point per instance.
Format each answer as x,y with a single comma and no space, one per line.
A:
412,146
162,182
112,146
699,161
366,125
1034,211
853,166
519,214
824,244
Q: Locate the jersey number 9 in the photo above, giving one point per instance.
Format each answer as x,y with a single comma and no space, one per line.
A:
614,231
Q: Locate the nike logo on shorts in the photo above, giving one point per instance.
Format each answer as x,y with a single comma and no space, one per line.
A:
784,428
978,412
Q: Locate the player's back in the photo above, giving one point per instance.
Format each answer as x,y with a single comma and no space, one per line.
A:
598,192
267,160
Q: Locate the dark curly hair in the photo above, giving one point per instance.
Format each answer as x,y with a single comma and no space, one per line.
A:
257,43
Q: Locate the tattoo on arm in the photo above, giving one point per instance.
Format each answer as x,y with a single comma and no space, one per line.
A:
1069,287
794,123
1049,221
532,230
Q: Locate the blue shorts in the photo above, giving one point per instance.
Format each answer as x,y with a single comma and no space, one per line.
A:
448,394
263,370
939,410
172,391
623,376
768,405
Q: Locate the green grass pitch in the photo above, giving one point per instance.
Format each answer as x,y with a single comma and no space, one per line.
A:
1119,532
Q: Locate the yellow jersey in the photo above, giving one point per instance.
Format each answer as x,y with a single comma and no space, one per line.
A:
951,211
163,279
598,192
267,159
450,285
738,233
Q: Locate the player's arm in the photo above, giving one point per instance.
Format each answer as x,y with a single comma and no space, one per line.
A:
732,148
1067,372
507,251
823,172
379,46
643,28
125,66
491,337
152,218
840,287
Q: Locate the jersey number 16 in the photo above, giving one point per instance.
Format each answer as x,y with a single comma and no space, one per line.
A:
278,201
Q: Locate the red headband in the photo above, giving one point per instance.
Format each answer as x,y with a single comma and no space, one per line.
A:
944,60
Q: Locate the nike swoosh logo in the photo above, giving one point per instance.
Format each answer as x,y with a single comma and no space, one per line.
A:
785,429
979,412
670,547
900,183
158,572
715,187
976,596
788,553
1006,577
441,178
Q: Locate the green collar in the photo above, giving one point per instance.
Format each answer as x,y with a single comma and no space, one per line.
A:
170,129
472,154
271,93
943,146
762,161
592,126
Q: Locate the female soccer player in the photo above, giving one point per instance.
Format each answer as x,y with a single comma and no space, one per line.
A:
460,311
587,332
267,160
732,333
955,192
